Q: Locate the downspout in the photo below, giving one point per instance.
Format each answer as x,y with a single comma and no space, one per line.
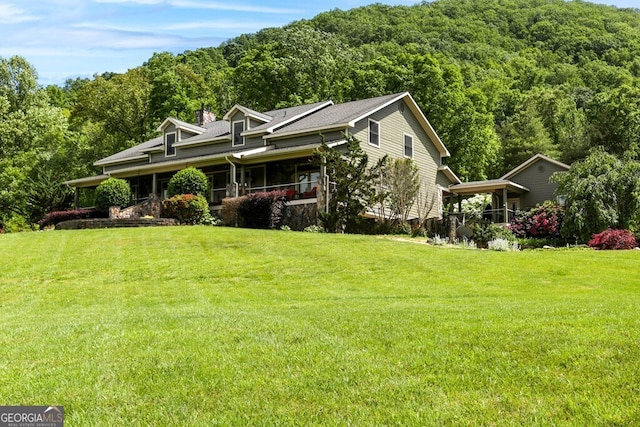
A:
233,177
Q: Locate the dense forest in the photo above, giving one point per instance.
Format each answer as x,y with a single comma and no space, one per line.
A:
499,80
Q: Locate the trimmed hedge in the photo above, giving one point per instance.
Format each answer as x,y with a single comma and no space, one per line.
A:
186,208
188,181
613,239
56,217
113,192
259,210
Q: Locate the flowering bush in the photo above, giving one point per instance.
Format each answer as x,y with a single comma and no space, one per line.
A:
186,208
544,221
613,239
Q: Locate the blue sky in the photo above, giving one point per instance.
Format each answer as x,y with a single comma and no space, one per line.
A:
79,38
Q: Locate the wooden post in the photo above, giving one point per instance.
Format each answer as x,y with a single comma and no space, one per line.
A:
452,228
505,205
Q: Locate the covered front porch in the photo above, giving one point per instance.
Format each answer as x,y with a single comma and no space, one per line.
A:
505,197
299,178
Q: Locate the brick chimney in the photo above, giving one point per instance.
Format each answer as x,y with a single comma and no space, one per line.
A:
205,116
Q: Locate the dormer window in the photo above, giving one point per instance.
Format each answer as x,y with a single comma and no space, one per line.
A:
238,128
169,140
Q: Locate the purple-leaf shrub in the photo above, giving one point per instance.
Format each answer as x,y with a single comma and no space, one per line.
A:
262,210
55,217
613,239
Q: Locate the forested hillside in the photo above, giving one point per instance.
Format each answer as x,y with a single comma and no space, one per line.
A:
499,80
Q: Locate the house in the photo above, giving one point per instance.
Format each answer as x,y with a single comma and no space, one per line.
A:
250,151
522,188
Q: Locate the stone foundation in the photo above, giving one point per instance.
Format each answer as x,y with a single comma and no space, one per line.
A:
301,216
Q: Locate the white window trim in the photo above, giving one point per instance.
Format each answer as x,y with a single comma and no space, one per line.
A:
175,141
369,133
404,151
233,130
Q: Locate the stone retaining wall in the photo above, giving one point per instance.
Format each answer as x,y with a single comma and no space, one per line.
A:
81,224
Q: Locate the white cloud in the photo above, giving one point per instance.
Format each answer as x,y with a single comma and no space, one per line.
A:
190,4
221,25
10,14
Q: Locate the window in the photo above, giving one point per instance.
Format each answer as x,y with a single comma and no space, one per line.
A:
238,128
169,140
408,146
374,133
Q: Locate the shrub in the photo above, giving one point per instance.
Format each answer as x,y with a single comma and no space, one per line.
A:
56,217
543,221
186,208
262,210
229,212
113,192
314,229
502,245
485,231
613,239
17,223
188,181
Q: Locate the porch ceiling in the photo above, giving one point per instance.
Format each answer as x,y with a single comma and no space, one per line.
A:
489,186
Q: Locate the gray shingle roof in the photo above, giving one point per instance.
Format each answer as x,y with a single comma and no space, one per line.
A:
299,119
213,130
337,115
285,115
132,152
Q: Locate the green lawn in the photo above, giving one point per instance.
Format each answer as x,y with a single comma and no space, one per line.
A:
206,326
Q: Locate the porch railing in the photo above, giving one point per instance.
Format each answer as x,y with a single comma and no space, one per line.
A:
497,215
293,191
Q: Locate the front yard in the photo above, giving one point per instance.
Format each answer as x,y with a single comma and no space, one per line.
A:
205,326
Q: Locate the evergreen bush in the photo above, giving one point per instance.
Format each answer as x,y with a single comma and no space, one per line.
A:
113,192
189,181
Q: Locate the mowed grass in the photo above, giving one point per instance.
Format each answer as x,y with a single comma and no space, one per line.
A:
217,326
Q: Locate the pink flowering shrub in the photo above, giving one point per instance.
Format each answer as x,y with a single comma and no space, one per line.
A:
613,239
544,221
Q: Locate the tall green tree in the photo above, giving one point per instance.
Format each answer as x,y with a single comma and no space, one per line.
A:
601,191
351,186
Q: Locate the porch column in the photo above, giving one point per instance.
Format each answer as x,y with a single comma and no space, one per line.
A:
154,184
242,183
505,205
76,197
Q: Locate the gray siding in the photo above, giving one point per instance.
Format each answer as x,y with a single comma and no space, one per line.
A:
314,138
394,124
537,179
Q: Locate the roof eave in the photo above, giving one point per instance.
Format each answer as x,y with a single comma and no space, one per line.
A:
105,162
526,164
